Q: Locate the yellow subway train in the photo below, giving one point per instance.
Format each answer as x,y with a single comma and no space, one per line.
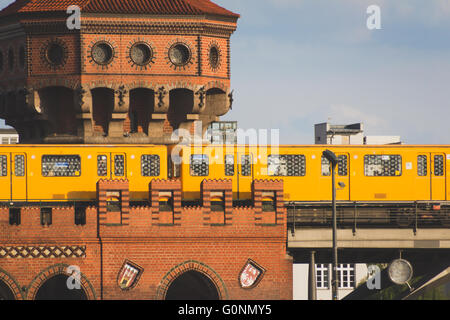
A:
364,173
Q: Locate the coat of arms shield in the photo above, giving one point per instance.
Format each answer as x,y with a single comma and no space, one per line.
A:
129,275
251,274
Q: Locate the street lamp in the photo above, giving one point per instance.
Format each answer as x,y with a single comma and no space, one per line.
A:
331,157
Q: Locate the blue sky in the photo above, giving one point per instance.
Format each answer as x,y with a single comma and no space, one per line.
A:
300,62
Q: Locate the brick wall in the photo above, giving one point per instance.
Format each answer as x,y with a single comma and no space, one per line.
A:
162,248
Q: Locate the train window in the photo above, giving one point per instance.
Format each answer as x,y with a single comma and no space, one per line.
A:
229,165
439,165
342,166
102,165
291,165
382,165
19,165
199,165
422,166
3,166
150,165
119,165
61,166
165,204
246,165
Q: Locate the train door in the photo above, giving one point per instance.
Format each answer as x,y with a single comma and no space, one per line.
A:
111,165
343,177
5,185
245,175
438,176
18,176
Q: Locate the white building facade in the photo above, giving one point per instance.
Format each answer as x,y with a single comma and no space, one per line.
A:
350,275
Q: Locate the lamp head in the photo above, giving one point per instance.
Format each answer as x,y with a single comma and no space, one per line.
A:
330,156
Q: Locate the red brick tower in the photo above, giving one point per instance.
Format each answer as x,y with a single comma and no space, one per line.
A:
126,71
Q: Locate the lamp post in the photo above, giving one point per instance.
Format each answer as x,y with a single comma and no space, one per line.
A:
331,157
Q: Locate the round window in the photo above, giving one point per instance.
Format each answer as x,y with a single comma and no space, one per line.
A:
141,54
55,54
102,53
179,54
214,57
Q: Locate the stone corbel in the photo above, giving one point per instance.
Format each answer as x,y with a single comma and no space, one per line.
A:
121,100
82,100
199,101
230,100
161,100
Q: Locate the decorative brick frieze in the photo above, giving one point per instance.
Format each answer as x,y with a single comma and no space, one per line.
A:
20,252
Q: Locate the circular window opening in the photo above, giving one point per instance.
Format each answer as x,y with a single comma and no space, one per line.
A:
102,53
179,54
55,54
141,54
214,57
22,56
11,59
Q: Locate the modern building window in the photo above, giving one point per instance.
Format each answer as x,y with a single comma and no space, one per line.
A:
322,276
346,275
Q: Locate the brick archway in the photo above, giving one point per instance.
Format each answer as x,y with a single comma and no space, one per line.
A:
191,265
55,270
12,284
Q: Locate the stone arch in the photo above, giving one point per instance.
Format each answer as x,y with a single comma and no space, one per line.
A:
56,82
187,266
58,106
102,109
142,105
181,103
11,285
55,270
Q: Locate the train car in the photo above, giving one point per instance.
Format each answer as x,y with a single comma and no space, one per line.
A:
383,181
58,173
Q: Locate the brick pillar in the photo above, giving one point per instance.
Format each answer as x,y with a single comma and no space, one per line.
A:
208,188
158,187
259,187
111,186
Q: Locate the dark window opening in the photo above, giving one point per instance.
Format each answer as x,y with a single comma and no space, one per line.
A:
80,216
14,216
46,216
165,205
